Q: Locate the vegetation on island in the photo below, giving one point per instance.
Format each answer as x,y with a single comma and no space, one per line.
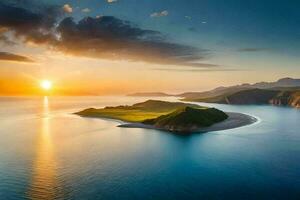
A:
172,116
188,119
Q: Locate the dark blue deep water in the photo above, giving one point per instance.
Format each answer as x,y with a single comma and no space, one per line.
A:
48,153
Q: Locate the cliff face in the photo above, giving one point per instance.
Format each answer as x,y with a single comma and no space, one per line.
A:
287,99
258,96
295,101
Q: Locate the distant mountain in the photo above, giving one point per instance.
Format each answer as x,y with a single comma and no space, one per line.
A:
149,94
281,83
275,96
215,92
285,91
284,82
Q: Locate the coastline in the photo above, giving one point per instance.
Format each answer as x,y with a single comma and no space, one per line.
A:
235,120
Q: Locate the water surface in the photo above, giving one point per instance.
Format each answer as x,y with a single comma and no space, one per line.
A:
48,153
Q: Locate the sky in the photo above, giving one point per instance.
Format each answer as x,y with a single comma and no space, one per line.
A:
107,47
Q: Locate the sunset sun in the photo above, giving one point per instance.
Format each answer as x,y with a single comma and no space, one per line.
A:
46,84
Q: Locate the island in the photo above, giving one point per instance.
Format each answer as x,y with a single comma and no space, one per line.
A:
176,117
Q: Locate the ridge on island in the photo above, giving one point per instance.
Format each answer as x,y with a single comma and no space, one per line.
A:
169,116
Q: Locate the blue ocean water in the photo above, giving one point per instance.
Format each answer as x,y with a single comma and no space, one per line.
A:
46,152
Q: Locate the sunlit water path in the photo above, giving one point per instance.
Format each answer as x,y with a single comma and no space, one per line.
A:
46,152
44,177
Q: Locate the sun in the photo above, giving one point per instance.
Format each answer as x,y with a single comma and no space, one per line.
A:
46,84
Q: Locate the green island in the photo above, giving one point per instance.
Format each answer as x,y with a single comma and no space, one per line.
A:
169,116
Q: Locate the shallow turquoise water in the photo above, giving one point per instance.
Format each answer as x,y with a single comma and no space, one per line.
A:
48,153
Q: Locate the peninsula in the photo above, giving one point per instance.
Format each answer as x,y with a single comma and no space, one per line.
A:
171,116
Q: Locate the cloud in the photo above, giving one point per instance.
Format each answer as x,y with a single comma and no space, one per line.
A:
160,14
35,26
104,37
251,49
67,8
14,57
86,10
6,41
115,39
111,1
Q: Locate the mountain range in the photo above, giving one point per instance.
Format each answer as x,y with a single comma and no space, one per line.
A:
284,92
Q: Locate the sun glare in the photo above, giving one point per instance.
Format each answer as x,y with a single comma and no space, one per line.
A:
46,84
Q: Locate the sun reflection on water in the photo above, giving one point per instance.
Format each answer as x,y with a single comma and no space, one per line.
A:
44,184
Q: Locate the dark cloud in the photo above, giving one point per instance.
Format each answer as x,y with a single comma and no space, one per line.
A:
109,37
34,22
31,16
14,57
103,37
251,49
